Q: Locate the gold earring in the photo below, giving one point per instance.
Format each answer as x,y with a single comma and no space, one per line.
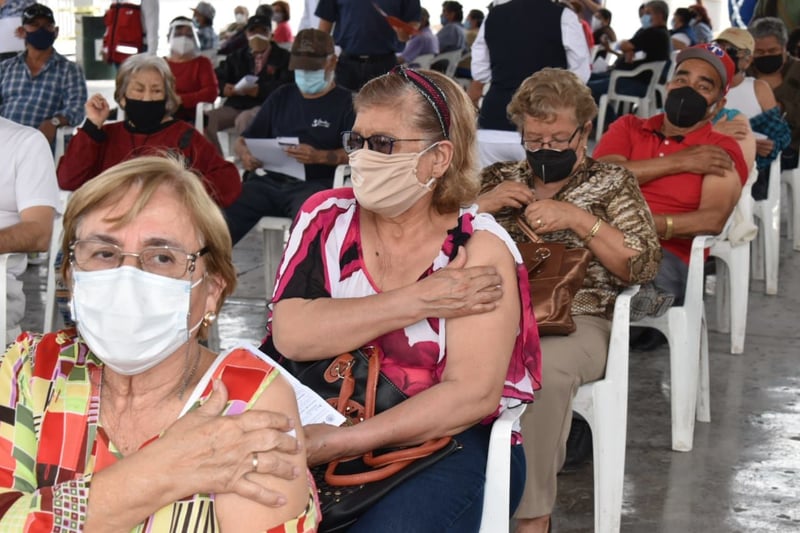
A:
209,318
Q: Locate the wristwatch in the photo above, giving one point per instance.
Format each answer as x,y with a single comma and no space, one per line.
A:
55,121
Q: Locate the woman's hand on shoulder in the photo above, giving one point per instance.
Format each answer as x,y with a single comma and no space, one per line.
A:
458,290
211,453
506,194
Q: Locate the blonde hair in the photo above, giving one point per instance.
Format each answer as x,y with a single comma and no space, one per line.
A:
142,177
549,91
140,62
460,183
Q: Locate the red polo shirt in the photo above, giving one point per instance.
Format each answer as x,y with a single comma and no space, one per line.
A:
636,139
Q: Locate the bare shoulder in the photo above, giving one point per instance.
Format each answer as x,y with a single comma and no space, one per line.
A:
485,248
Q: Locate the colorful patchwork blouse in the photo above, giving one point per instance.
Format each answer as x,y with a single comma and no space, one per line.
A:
52,441
324,259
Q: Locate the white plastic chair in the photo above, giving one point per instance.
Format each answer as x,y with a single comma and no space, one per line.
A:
766,246
604,406
661,88
645,105
3,304
791,180
60,145
497,490
55,247
499,145
685,329
733,272
275,232
451,60
423,61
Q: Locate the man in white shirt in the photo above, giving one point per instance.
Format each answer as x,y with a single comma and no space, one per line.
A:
27,207
555,33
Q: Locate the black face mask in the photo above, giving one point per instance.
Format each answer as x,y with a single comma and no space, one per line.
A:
41,39
552,165
768,64
685,107
145,115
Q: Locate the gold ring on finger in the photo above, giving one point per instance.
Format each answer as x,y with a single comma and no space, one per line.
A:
539,223
255,462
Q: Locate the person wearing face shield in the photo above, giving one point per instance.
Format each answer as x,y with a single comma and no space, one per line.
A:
39,87
313,109
773,64
690,175
566,196
195,79
247,77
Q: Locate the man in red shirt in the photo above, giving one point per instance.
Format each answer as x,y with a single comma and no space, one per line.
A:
690,175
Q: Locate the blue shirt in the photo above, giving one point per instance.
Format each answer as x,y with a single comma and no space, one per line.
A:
361,30
58,89
451,37
209,40
425,42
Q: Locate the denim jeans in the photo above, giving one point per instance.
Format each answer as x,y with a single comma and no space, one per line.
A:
672,275
448,496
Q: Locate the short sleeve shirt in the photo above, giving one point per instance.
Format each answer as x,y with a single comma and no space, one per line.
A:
361,30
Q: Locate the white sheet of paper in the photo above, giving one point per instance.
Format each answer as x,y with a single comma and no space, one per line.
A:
247,82
270,153
313,409
8,41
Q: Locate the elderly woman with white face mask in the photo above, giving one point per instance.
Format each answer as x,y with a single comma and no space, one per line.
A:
128,422
195,80
401,262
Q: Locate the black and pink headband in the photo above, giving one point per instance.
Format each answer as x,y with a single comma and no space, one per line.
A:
431,92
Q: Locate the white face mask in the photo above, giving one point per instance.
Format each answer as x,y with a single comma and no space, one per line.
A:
596,23
182,45
241,18
387,184
131,319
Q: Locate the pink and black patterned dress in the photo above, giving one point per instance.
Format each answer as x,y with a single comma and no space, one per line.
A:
324,259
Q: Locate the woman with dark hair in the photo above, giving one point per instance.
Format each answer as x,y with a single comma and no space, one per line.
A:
701,24
682,33
281,13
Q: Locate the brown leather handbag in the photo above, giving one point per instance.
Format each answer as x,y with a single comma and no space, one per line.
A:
555,274
348,487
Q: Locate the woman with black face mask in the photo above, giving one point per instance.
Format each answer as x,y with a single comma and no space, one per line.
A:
773,64
568,197
145,90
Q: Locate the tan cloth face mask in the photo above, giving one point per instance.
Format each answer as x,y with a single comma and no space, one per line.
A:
387,184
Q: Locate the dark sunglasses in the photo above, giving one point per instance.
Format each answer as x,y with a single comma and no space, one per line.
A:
352,141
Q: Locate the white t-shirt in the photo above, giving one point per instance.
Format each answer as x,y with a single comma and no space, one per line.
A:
27,179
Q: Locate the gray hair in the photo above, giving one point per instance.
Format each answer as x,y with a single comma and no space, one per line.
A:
661,7
769,27
140,62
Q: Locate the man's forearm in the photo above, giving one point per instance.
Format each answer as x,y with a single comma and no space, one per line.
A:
25,237
648,169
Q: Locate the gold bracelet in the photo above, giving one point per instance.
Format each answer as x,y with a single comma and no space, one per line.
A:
668,232
593,231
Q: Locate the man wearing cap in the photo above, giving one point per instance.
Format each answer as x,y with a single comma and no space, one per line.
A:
204,19
690,175
754,98
263,59
314,110
369,43
39,87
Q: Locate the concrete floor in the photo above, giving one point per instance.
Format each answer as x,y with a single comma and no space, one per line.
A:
744,471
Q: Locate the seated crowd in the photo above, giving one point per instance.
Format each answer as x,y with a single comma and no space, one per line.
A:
422,240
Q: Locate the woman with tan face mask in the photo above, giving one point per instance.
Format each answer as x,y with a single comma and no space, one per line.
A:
402,262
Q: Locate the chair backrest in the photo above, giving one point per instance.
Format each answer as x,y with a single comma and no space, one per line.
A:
61,135
341,178
449,62
52,265
655,68
423,61
3,289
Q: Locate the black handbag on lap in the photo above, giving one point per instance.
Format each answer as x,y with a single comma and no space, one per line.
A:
353,384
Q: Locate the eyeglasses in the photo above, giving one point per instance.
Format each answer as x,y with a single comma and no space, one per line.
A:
554,144
167,261
384,144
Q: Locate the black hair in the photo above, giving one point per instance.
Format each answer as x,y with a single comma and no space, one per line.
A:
454,7
605,14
